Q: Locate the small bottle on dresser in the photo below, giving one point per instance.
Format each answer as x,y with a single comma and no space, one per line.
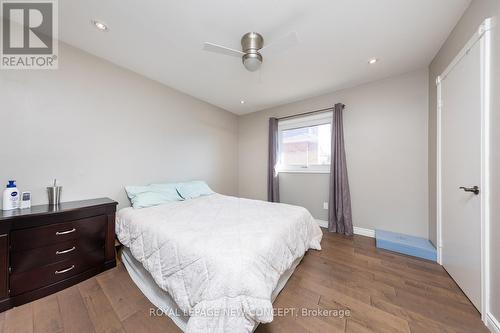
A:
11,196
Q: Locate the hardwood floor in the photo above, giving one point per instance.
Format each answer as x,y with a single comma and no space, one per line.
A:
383,291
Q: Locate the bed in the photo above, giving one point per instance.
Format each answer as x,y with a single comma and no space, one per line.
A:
215,263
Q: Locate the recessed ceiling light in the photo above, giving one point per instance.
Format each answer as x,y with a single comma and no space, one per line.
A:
242,102
100,26
372,61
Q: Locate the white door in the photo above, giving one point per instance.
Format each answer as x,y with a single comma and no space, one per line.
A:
461,167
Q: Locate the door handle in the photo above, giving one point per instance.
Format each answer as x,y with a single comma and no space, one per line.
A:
474,189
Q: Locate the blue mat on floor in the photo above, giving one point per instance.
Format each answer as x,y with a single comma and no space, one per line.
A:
406,244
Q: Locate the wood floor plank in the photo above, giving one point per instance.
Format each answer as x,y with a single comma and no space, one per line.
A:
348,277
124,296
19,319
280,327
74,312
324,287
46,315
401,271
366,315
438,299
429,308
142,322
432,291
416,321
302,320
99,308
385,292
2,322
306,295
353,326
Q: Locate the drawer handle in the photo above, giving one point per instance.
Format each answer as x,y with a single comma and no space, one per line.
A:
66,251
58,233
65,270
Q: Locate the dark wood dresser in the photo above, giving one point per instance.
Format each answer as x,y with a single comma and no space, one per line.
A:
45,248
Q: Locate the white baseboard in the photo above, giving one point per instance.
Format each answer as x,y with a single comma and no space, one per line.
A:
492,323
357,230
364,232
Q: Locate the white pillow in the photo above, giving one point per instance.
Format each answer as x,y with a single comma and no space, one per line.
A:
193,189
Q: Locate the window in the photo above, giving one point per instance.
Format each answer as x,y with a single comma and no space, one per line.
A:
305,144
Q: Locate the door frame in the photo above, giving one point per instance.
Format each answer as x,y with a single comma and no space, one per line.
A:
482,36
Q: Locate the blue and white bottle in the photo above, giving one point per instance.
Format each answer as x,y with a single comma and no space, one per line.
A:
11,196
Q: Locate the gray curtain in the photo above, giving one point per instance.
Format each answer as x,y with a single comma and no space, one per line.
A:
339,213
273,191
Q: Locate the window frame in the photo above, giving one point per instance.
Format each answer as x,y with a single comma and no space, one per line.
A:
296,123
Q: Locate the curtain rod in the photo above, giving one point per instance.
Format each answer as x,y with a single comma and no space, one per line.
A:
308,113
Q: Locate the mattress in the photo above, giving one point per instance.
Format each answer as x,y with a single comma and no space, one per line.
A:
219,258
163,301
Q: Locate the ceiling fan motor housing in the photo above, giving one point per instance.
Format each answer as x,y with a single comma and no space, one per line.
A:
251,43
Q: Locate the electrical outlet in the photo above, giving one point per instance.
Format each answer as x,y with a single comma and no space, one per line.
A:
325,205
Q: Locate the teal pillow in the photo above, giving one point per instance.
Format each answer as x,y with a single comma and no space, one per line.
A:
194,189
152,195
150,199
167,187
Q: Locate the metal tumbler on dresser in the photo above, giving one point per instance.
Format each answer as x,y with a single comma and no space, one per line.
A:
54,193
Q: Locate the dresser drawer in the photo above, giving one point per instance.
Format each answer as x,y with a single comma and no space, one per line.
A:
48,274
21,261
92,228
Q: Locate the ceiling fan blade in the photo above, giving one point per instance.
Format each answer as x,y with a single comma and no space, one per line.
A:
211,47
281,44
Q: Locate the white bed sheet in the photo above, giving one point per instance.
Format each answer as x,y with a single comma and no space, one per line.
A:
219,257
163,301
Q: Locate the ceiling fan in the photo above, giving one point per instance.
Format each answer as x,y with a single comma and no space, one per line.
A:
253,49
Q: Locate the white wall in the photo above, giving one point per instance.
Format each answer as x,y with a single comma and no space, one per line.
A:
470,21
385,126
97,127
308,190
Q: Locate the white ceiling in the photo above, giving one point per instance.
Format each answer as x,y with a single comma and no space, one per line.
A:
163,40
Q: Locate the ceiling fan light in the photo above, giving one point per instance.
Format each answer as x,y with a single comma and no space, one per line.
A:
252,61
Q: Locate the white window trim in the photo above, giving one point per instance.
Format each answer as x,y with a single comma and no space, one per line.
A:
299,122
305,170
